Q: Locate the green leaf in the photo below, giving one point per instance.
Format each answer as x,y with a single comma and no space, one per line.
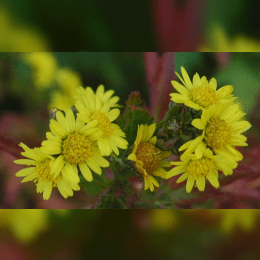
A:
243,74
99,184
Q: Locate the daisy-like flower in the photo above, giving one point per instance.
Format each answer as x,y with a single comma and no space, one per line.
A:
222,131
200,94
75,145
40,172
196,169
148,158
110,135
104,95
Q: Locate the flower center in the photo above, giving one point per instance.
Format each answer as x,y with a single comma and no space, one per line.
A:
201,167
150,156
103,122
204,96
77,148
217,133
43,170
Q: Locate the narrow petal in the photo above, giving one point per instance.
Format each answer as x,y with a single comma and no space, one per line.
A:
186,78
29,178
180,88
47,191
113,114
225,91
201,183
196,81
57,129
198,124
25,162
213,180
104,147
26,172
178,98
102,162
62,121
189,185
70,118
86,172
100,90
176,171
57,166
94,166
151,130
213,83
66,187
183,177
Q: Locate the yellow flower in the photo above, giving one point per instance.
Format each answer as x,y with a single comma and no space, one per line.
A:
45,68
198,168
104,95
41,173
221,131
69,81
110,135
26,224
231,218
19,37
148,158
220,42
75,145
163,219
200,94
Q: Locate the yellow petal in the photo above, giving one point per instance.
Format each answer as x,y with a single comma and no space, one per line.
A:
180,88
86,172
189,185
225,91
26,172
178,98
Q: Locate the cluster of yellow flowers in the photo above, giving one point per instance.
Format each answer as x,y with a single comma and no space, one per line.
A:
75,142
79,142
214,149
47,73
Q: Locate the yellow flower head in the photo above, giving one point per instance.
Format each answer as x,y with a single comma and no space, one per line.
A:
45,68
68,81
219,41
231,218
42,173
75,145
221,131
104,95
198,168
163,219
200,94
26,224
148,158
110,135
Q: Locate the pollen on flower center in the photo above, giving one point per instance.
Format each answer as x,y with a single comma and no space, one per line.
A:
103,122
77,148
204,96
200,168
217,133
149,155
43,170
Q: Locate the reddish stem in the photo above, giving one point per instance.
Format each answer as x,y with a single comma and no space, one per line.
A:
10,146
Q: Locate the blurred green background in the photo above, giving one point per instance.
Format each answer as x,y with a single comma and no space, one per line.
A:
171,25
135,234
